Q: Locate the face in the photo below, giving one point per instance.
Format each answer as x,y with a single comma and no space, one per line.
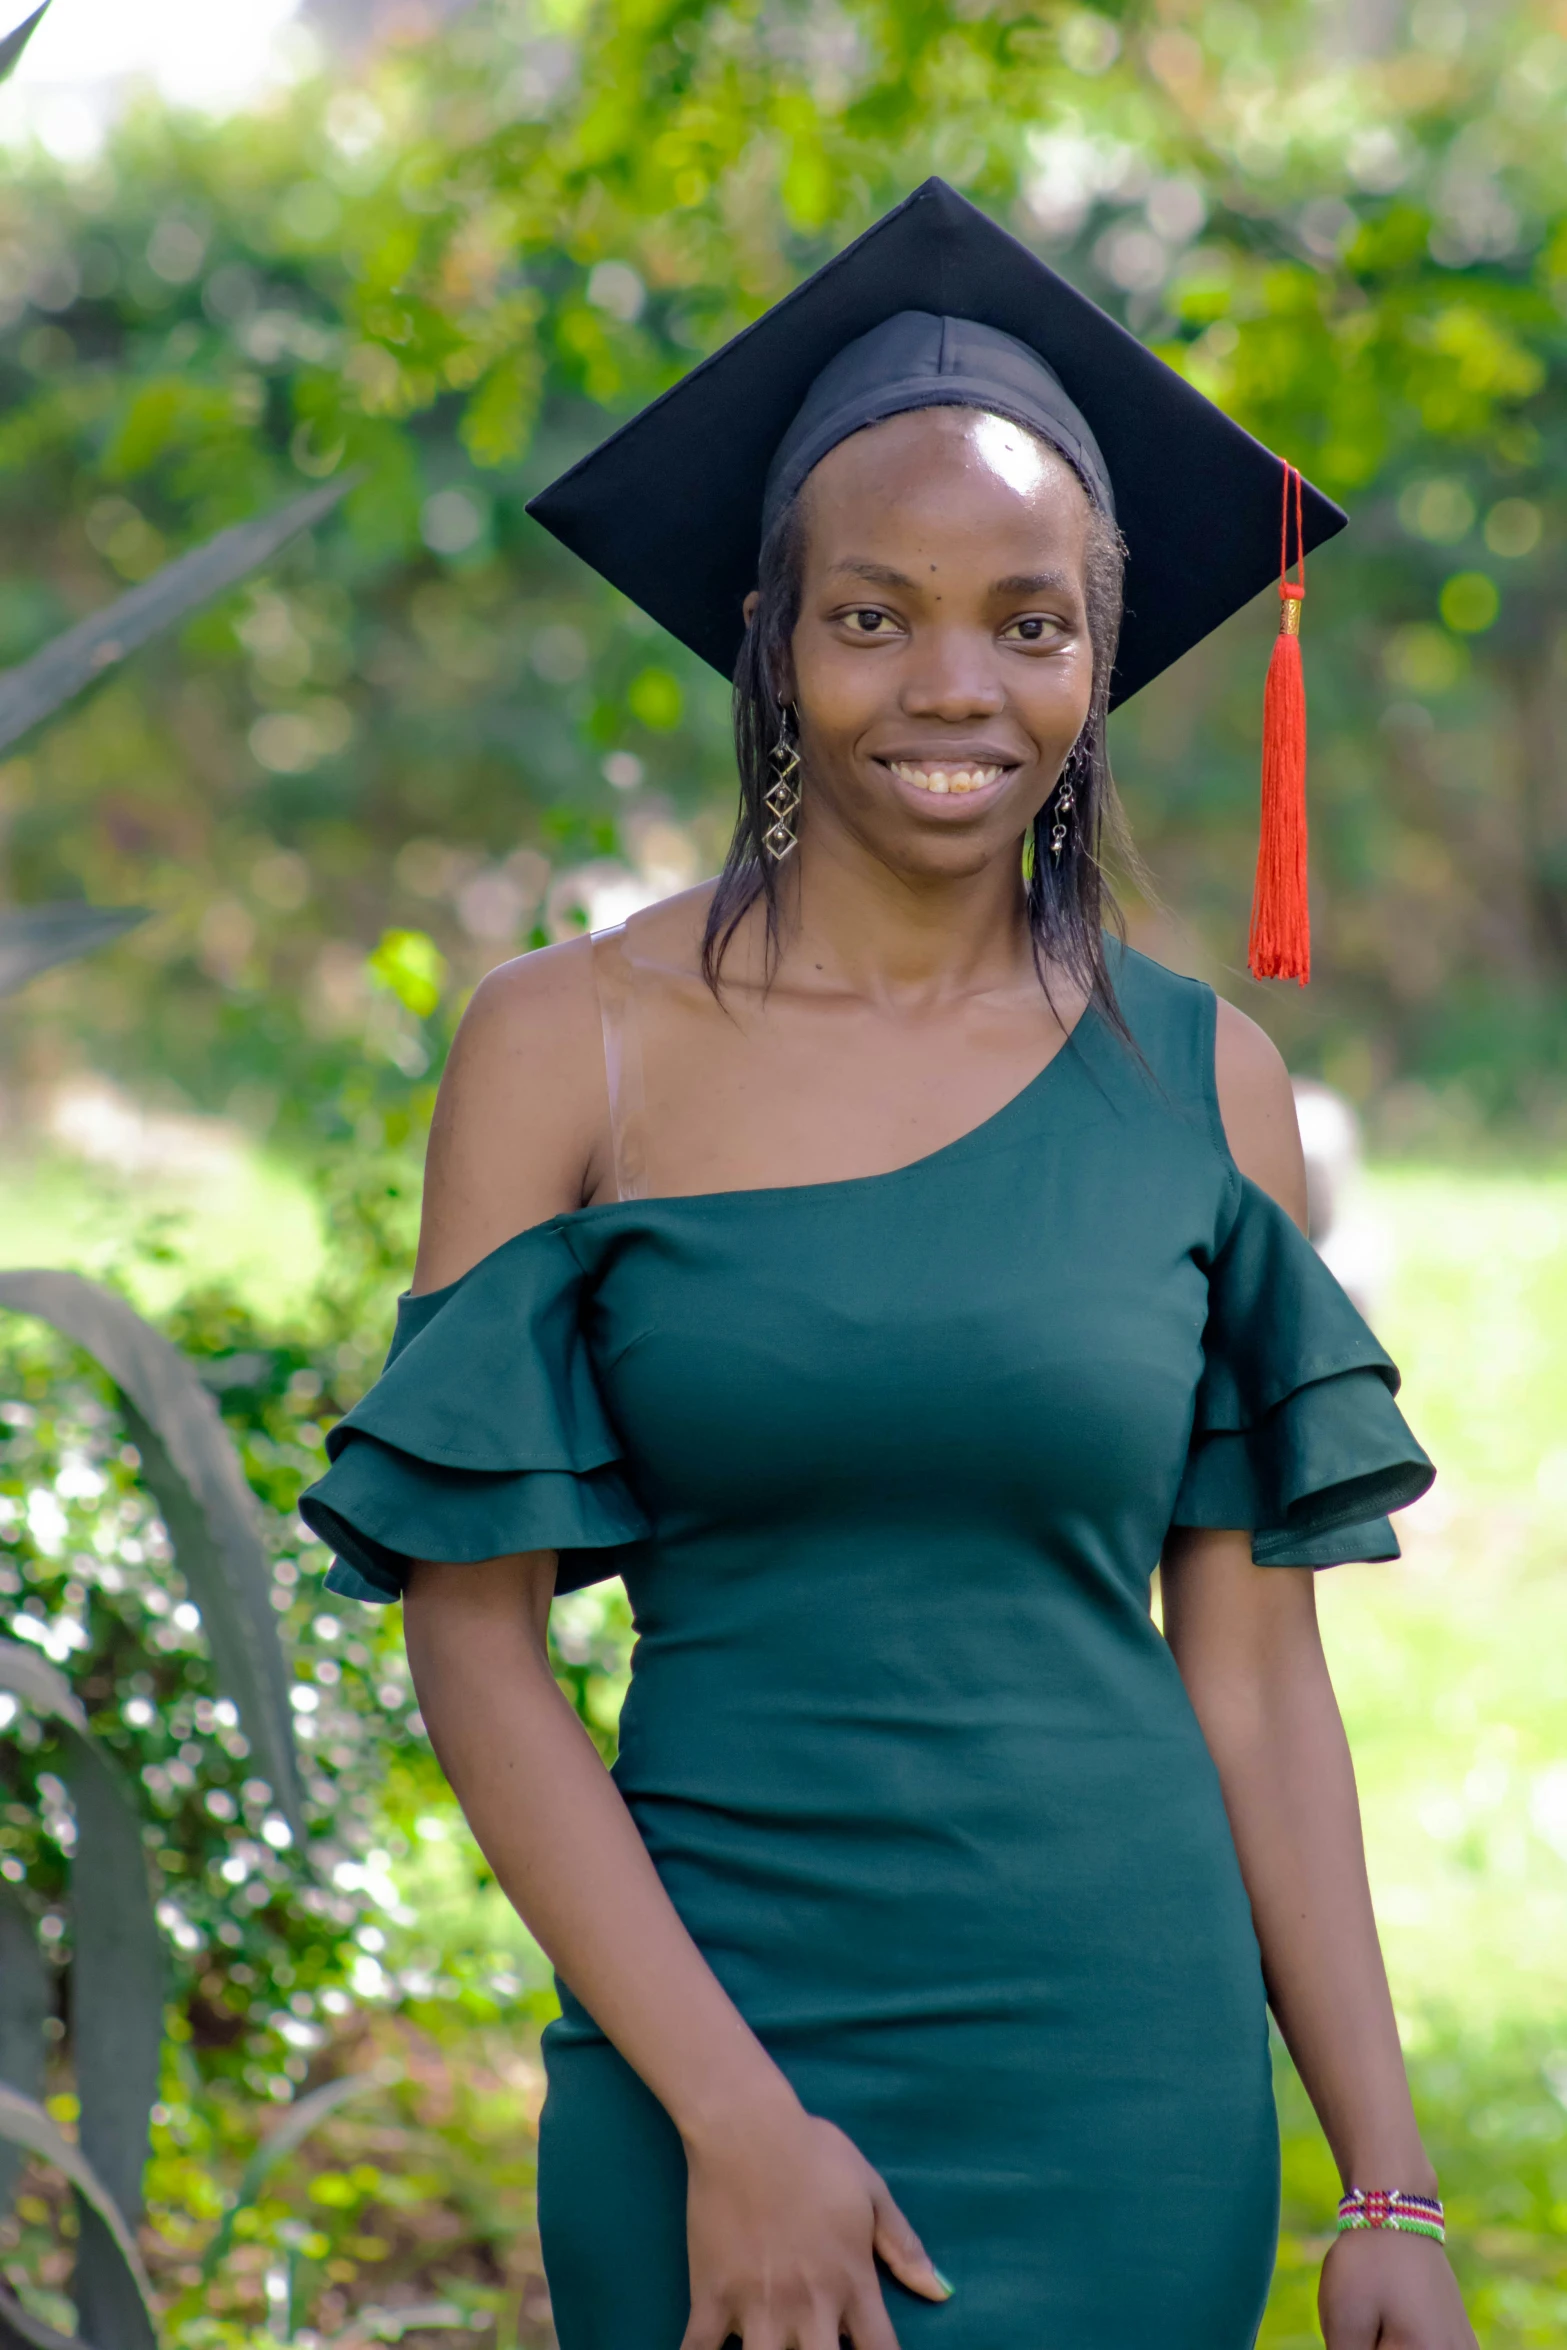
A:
941,665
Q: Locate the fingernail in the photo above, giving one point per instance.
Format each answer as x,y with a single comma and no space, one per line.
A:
948,2289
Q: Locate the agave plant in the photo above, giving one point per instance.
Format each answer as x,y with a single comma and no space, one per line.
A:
194,1476
117,1990
34,937
15,42
117,2015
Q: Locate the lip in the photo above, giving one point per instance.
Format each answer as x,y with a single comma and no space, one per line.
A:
964,778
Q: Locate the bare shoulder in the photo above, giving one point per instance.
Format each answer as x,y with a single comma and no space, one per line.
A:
520,1122
670,933
1257,1104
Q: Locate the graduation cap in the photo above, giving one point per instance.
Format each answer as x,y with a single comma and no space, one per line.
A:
670,508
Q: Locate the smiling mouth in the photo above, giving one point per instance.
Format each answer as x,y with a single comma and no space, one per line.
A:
943,776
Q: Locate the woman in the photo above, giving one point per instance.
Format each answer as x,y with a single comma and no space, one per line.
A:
880,1271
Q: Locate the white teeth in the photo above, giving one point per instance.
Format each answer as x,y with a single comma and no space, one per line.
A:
942,780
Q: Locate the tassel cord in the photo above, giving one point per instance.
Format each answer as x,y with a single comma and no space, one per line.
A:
1280,942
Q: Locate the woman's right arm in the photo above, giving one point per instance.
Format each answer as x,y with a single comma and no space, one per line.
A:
785,2217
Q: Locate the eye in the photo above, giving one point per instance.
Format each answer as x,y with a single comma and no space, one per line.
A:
868,622
1032,629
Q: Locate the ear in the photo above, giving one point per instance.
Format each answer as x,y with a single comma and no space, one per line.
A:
748,608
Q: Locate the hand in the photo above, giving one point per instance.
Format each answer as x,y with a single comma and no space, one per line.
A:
1385,2291
785,2222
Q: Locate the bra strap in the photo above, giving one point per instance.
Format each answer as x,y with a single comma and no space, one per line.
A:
614,979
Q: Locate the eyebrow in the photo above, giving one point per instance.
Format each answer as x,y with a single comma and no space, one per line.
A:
1031,583
878,574
1018,583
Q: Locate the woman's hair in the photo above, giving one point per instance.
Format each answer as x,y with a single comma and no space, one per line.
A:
1069,901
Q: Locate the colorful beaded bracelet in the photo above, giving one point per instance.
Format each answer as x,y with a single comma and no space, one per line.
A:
1390,2207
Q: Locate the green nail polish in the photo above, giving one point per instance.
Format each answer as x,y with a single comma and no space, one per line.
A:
947,2289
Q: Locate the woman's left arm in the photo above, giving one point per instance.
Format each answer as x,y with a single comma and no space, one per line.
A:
1246,1641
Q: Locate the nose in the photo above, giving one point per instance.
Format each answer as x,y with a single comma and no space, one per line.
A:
955,679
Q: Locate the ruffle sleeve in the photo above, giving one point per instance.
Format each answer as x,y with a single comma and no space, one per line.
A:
1296,1435
484,1434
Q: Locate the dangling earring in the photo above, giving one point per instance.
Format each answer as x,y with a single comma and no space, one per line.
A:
782,798
1066,804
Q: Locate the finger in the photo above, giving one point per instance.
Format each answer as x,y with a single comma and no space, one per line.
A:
709,2328
900,2248
867,2324
821,2330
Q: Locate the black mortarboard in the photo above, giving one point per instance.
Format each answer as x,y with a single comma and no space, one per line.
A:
669,508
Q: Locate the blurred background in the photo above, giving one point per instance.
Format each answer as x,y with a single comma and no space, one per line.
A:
430,253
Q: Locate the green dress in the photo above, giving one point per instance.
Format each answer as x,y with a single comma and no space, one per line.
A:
886,1465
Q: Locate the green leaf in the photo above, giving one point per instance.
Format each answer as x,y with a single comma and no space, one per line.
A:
116,1999
15,42
18,2326
44,684
193,1474
25,2004
24,2123
289,2135
33,938
1469,602
410,965
117,1995
655,698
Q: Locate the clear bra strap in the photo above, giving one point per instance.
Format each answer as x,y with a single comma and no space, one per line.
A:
614,978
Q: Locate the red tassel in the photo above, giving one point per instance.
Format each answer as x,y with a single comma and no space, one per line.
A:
1280,915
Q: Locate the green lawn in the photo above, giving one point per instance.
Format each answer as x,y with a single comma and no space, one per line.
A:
233,1215
1452,1670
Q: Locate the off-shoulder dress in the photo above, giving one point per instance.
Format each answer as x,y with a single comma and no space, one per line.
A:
887,1465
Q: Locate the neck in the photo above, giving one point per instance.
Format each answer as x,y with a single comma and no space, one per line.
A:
897,937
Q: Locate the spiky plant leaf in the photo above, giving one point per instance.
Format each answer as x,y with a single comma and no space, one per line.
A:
117,1994
12,46
37,688
20,2330
25,2005
192,1472
116,1999
303,2116
25,2124
34,938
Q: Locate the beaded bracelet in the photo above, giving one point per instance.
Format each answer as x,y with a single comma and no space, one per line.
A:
1390,2207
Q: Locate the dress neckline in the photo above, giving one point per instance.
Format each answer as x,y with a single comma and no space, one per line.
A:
1027,1093
1089,1020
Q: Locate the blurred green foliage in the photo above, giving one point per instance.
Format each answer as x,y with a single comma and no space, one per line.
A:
458,267
428,739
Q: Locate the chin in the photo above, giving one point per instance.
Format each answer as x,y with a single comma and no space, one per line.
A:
947,854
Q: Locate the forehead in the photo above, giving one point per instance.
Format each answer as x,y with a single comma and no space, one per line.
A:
958,467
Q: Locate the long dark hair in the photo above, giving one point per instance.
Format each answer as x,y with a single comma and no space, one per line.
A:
1070,901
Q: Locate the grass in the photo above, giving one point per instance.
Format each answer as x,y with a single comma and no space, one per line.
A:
230,1214
1452,1671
